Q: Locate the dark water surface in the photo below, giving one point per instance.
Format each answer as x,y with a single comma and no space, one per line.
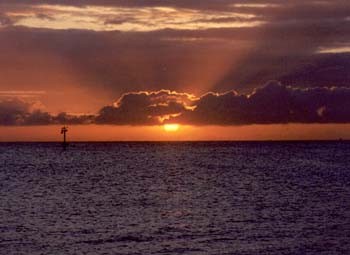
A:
175,198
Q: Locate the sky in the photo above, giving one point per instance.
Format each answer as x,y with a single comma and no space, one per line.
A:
221,69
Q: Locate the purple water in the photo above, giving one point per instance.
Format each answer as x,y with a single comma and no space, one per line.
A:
175,198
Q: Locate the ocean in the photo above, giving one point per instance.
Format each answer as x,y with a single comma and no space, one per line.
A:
175,198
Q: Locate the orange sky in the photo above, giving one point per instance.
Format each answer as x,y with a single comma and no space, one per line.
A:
185,133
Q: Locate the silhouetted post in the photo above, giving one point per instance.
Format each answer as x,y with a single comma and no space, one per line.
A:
64,130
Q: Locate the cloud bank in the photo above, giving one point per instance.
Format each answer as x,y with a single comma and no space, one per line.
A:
145,108
273,103
19,112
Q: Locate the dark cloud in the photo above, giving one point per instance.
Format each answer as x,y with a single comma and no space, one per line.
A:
271,104
322,70
13,111
145,108
18,112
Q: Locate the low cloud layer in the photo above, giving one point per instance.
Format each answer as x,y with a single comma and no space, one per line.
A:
145,108
273,103
19,112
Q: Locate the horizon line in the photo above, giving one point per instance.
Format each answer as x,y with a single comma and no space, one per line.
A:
182,141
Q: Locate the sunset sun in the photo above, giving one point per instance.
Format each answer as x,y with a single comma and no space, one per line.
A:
171,127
